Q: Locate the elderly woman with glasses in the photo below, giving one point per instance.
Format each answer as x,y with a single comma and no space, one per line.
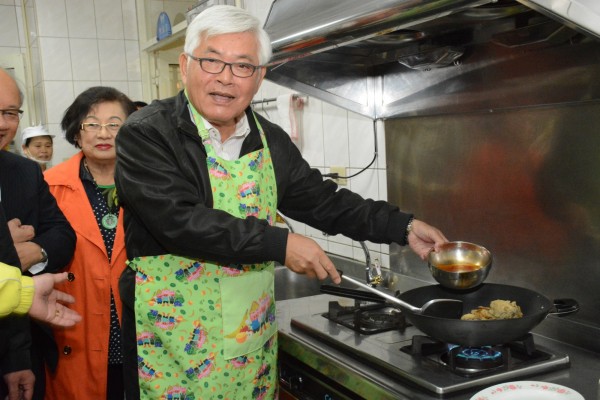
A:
84,188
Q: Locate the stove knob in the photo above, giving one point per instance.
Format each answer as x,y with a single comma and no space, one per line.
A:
296,382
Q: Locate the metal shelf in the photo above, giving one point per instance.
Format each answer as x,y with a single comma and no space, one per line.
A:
178,33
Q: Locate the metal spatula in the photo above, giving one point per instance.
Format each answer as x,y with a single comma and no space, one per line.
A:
441,308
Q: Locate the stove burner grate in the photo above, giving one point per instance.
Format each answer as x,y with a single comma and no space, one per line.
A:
474,358
366,319
477,361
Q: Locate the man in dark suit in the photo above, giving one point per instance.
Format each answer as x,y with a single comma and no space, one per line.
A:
43,238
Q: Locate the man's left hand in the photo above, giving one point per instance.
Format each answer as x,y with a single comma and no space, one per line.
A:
424,237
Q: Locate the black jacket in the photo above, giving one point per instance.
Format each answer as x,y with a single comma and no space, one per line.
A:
15,340
25,195
163,184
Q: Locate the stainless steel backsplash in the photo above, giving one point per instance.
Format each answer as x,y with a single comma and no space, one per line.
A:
523,182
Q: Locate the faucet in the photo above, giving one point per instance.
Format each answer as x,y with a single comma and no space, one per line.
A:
373,272
285,221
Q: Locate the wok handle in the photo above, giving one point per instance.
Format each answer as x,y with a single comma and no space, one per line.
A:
352,293
564,307
380,293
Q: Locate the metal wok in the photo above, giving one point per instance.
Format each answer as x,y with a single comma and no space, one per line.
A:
534,306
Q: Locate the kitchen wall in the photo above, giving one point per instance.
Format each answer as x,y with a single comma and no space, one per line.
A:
69,46
73,44
12,38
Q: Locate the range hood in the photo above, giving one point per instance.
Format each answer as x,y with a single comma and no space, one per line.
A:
384,58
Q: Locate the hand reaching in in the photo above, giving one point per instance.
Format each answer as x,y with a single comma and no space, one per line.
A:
47,301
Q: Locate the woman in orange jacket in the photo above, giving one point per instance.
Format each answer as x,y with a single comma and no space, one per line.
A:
85,191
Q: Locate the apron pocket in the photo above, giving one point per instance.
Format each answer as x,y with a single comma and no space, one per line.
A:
248,307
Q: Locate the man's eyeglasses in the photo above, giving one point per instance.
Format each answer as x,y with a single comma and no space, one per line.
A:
215,66
96,127
12,115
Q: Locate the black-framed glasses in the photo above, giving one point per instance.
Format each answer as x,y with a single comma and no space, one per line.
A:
12,114
216,66
96,127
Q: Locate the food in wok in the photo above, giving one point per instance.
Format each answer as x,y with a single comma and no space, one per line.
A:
498,309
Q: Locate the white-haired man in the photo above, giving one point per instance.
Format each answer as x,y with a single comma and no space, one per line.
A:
201,177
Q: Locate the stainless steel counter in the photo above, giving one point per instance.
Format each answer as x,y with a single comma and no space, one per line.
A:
582,376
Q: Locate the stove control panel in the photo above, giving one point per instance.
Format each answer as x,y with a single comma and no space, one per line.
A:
299,381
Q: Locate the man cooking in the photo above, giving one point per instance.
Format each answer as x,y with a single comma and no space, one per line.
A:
200,177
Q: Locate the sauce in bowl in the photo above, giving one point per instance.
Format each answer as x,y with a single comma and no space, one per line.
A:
458,267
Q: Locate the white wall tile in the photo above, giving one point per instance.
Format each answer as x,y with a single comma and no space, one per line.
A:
335,128
130,27
134,91
359,254
81,19
5,51
109,19
80,86
36,64
113,64
84,59
365,183
361,140
9,32
324,244
315,233
340,239
58,95
123,86
55,130
7,2
341,249
21,27
382,182
258,8
132,55
381,157
30,16
39,104
312,133
63,150
55,58
298,227
51,18
385,249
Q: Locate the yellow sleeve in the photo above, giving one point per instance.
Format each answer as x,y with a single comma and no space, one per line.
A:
16,291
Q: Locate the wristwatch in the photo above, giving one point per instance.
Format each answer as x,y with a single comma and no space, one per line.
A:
44,256
408,229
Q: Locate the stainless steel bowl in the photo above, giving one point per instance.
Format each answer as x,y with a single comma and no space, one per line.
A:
460,265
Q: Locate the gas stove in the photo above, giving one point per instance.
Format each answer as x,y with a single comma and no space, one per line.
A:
379,336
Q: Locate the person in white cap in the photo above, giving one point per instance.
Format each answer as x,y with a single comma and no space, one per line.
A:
37,145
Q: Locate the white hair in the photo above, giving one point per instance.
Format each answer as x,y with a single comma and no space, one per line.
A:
221,20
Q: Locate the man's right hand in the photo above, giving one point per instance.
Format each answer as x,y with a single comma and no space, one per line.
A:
304,256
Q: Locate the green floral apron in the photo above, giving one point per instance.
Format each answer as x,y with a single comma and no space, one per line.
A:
207,330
